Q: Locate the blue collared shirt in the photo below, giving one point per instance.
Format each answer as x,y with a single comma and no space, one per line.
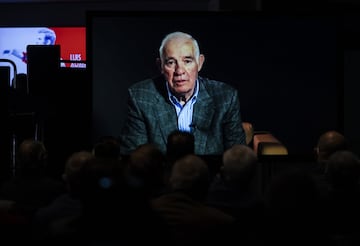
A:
184,112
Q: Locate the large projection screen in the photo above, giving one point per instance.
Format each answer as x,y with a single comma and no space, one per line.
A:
286,68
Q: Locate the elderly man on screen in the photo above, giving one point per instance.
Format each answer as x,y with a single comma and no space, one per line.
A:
180,99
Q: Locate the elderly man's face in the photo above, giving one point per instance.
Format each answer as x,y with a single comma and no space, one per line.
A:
180,67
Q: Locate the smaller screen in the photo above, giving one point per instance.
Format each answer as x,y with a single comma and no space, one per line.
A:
14,40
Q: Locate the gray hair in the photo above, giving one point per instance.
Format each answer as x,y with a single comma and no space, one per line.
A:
238,162
179,35
189,173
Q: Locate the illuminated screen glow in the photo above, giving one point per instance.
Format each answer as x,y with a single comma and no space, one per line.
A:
14,40
287,69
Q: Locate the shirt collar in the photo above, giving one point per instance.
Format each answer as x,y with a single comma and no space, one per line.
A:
173,99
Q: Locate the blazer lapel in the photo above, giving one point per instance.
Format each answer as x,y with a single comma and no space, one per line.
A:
164,111
167,119
202,116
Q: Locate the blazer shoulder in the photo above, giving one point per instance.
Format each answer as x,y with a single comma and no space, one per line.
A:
148,89
147,84
145,88
214,87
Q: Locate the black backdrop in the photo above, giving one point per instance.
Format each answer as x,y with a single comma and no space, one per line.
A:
286,68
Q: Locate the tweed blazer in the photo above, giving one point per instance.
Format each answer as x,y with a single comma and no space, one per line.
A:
151,117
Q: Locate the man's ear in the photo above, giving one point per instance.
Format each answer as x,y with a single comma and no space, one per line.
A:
158,64
201,61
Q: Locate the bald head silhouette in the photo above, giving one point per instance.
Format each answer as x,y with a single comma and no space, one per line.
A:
328,143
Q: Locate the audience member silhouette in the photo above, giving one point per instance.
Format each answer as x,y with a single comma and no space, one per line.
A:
145,167
107,147
179,144
233,189
342,208
32,188
184,210
114,211
343,170
52,221
328,143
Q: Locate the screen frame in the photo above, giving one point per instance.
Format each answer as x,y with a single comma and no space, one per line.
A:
339,74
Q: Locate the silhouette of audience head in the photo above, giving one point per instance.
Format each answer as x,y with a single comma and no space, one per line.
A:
73,166
328,143
190,175
179,144
109,200
107,147
101,184
239,164
146,165
32,156
343,169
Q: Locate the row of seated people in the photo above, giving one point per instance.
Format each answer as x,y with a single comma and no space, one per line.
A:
173,198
